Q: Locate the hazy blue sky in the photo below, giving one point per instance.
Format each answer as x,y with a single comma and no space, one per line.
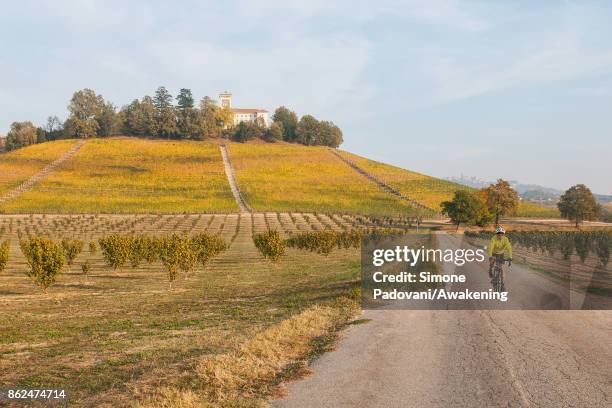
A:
520,90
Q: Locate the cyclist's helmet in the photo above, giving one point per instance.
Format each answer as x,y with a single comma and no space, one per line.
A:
500,230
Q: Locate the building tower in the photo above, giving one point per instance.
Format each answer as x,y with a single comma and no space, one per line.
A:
225,99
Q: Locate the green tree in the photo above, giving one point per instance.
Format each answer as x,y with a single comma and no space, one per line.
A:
54,128
578,204
21,134
274,132
165,113
184,100
189,122
329,134
209,118
502,199
108,121
85,109
289,121
307,131
464,208
248,130
46,260
140,118
41,135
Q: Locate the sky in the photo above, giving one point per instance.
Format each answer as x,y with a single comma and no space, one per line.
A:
520,90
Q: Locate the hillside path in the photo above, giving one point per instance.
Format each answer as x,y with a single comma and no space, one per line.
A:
381,184
466,358
229,172
29,183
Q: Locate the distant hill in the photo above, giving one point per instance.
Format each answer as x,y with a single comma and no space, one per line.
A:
531,192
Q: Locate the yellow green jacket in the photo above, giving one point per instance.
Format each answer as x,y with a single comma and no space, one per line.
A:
499,246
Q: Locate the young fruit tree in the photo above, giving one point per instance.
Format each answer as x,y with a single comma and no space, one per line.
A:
4,254
270,244
207,246
85,268
72,248
45,258
115,250
578,204
176,253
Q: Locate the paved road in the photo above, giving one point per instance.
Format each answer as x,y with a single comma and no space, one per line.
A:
466,358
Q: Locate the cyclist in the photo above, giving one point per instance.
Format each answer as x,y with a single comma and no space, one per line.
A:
498,246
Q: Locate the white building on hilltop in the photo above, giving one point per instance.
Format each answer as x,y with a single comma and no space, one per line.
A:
243,114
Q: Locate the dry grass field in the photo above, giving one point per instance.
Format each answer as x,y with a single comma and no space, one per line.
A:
285,177
19,165
127,175
113,336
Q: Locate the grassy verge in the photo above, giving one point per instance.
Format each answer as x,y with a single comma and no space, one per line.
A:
252,373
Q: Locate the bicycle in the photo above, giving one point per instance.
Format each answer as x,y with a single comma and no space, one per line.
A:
498,272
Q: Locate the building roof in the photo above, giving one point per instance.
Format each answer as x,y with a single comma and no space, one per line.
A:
247,110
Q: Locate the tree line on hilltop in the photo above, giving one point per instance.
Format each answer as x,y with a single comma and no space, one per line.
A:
159,117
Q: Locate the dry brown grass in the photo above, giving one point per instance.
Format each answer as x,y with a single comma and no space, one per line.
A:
251,373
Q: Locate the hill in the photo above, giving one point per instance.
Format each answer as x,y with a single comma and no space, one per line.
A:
128,175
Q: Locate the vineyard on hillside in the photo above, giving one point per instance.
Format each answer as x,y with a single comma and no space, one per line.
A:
427,190
298,178
132,176
19,165
430,191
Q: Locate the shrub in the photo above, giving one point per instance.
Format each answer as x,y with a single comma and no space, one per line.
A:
207,246
323,242
137,247
270,244
603,242
85,268
150,249
45,258
566,245
582,242
176,252
93,247
4,254
115,250
72,248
